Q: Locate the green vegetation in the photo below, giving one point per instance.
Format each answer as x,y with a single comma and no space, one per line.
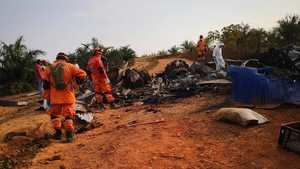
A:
162,53
17,67
187,46
174,50
242,41
116,57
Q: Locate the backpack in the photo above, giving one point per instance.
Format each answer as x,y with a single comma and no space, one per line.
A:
57,72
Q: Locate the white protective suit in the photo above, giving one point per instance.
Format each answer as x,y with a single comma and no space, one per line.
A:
218,57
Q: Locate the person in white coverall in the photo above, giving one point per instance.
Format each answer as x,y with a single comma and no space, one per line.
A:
218,57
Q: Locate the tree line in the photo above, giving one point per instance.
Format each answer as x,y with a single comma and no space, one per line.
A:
241,41
17,62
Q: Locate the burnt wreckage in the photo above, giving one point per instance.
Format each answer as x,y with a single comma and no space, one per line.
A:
178,80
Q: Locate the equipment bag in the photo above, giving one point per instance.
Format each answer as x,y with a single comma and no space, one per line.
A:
57,73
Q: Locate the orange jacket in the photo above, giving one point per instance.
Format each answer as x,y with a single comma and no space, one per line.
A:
97,69
64,96
201,45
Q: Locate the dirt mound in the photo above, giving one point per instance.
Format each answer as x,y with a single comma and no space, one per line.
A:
155,65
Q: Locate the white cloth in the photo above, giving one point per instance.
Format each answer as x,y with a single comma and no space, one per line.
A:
218,57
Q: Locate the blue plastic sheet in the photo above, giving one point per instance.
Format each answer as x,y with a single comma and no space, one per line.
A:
252,86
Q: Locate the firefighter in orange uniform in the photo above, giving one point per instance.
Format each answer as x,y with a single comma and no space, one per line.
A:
101,83
59,78
201,48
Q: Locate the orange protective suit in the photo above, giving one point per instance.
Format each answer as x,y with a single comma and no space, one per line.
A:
63,100
201,49
100,79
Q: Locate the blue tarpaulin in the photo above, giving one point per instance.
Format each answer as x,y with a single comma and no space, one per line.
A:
252,86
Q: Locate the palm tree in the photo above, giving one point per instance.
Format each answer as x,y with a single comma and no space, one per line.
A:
127,53
17,63
82,53
174,50
187,46
162,53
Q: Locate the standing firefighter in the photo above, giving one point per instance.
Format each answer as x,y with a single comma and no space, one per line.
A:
99,78
201,48
60,76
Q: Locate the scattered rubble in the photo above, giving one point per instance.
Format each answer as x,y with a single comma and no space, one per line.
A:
201,69
289,137
13,103
255,86
285,61
10,136
133,78
176,69
178,80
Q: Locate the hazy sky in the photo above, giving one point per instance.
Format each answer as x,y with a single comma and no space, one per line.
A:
146,25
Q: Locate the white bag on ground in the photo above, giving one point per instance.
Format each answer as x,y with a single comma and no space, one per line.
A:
241,116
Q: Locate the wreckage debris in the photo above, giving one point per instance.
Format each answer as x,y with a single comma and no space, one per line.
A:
178,80
134,79
13,103
286,61
176,68
241,116
289,137
253,63
201,69
254,86
10,136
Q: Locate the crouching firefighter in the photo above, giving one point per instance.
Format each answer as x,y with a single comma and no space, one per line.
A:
101,83
59,79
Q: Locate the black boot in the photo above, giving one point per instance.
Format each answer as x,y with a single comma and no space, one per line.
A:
69,136
113,105
100,108
58,134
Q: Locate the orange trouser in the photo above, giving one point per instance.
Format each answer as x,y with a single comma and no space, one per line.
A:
201,54
102,89
62,116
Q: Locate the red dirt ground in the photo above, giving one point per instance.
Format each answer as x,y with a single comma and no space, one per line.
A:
188,138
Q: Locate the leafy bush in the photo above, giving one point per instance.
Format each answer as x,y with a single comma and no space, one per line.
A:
289,30
174,50
116,57
242,41
17,67
187,46
162,53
